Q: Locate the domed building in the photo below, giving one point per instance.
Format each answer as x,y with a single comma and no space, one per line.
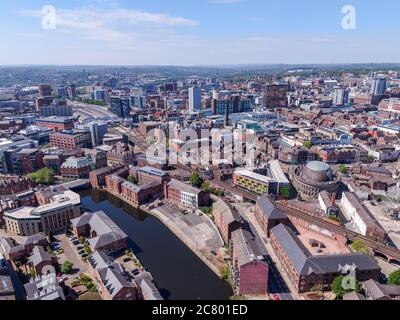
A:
314,177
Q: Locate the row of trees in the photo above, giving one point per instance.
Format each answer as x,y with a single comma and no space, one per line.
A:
198,182
43,176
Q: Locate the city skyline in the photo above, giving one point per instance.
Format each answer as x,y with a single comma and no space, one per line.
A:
203,32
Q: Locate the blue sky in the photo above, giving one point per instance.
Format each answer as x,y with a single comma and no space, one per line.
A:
195,32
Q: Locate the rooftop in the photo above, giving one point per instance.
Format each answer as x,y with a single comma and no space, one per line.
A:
58,201
253,175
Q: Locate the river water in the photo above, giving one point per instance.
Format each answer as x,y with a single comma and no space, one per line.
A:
177,271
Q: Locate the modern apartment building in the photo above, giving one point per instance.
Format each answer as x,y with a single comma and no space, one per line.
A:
53,216
185,195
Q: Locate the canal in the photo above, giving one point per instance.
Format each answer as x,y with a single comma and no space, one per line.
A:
177,271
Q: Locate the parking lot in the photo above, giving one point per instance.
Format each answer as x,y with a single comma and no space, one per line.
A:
71,254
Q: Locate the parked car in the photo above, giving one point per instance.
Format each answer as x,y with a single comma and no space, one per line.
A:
82,251
127,259
75,242
79,247
135,272
55,247
214,253
84,255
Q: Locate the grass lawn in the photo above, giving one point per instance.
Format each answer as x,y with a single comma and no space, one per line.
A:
90,296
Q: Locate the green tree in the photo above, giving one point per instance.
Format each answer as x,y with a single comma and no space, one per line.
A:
206,210
132,179
206,186
88,250
285,191
196,180
43,176
308,144
82,240
67,267
338,288
32,273
342,169
394,278
218,192
360,247
225,273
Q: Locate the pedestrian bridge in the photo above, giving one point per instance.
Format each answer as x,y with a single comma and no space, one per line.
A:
79,184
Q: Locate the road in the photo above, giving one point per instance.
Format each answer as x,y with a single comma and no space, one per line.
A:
70,254
276,283
18,287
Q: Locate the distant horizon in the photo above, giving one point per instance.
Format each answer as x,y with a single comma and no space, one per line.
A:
204,65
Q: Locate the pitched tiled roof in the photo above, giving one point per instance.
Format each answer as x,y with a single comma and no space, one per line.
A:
269,209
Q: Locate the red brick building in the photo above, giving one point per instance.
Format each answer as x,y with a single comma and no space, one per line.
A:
16,185
76,168
137,195
226,218
307,272
102,233
70,140
56,123
97,178
28,161
114,184
267,215
109,278
149,174
249,274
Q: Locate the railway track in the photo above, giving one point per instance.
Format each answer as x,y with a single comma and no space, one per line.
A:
374,245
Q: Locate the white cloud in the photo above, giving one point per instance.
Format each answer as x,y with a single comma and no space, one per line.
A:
97,24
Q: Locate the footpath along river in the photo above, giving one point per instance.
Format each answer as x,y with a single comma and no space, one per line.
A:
177,271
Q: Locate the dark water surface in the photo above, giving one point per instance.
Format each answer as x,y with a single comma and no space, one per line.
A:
177,271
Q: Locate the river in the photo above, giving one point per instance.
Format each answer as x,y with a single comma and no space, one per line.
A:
177,271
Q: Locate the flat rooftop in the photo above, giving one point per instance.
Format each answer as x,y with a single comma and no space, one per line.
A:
329,246
253,175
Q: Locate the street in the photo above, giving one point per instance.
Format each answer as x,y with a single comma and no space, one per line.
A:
276,283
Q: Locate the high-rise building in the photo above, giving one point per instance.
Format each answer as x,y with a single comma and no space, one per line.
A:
72,91
111,83
275,95
97,130
234,104
57,108
45,97
378,86
62,92
138,101
340,96
101,94
120,106
45,90
194,99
